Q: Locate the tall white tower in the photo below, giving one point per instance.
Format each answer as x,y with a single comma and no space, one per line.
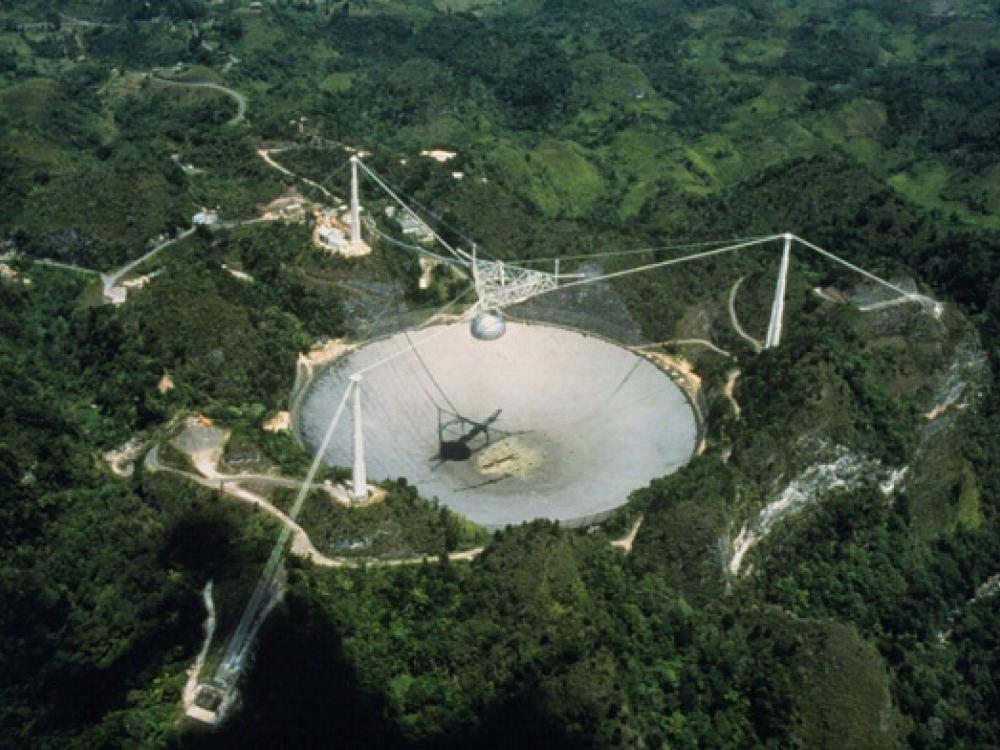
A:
355,205
359,489
778,307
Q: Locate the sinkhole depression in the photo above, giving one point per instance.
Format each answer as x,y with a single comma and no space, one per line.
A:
544,422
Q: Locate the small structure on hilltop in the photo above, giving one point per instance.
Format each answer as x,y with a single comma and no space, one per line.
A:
410,224
439,155
331,238
237,273
280,422
166,384
6,272
139,281
116,295
205,217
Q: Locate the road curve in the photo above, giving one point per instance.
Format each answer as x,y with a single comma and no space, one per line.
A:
302,545
65,266
109,280
754,343
265,154
240,99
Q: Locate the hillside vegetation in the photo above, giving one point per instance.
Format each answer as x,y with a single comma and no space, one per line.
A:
823,576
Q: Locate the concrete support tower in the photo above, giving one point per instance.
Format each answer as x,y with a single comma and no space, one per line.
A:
355,205
778,307
359,489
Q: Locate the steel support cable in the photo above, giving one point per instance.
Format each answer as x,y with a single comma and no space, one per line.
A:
398,305
454,301
394,299
915,297
319,185
638,251
602,404
325,180
600,409
417,249
423,363
516,264
401,352
460,254
430,212
430,375
664,263
628,376
232,661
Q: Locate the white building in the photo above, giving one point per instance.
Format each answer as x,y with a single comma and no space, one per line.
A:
204,217
410,225
331,238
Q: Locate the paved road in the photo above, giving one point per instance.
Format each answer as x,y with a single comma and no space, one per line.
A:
109,280
67,21
64,266
757,345
872,307
240,99
265,154
626,542
301,543
237,223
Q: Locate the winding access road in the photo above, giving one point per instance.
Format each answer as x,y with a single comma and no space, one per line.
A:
109,280
265,154
754,343
240,99
302,545
64,266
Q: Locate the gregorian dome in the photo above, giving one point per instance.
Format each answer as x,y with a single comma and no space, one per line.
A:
488,326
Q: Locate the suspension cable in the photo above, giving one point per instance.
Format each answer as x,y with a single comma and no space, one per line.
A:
664,263
240,640
421,250
460,254
437,219
637,251
827,254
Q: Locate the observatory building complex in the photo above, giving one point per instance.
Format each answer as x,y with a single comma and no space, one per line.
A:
543,422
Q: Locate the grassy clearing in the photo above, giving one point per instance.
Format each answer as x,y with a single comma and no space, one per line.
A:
718,17
337,83
925,185
762,143
970,514
260,35
760,52
781,94
859,118
556,177
603,80
843,701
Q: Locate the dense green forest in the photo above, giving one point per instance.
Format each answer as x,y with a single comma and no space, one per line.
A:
866,619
